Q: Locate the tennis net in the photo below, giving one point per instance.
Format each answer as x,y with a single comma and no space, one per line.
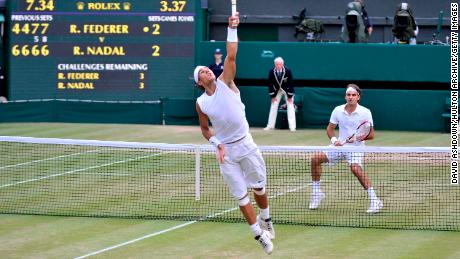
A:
90,178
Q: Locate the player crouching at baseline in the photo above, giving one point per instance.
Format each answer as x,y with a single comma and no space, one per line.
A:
348,116
241,163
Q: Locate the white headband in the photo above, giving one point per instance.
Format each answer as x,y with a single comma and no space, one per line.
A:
196,71
351,89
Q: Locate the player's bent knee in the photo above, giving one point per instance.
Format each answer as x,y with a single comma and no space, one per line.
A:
317,159
314,160
259,191
244,201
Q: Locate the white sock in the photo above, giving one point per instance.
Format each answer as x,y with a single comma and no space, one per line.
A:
265,213
371,193
315,187
256,230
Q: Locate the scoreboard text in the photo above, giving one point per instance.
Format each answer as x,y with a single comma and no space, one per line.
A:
129,50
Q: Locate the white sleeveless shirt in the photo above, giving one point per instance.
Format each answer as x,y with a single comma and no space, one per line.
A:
226,112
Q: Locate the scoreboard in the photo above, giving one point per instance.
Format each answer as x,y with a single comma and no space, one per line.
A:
109,50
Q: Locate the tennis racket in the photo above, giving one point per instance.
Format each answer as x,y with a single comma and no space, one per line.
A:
361,133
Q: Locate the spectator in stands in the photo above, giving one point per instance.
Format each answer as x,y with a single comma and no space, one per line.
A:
347,116
405,28
279,84
358,26
366,19
241,163
218,66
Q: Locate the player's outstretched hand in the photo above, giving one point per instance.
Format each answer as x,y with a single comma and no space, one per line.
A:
338,144
351,139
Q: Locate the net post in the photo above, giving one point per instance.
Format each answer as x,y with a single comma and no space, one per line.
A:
197,171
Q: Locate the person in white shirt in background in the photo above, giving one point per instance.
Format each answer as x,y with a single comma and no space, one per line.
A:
348,117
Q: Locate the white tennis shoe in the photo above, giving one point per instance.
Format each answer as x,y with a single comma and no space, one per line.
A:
267,225
268,128
376,206
316,199
265,242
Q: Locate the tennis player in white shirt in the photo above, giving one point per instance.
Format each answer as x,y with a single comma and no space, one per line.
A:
347,116
241,163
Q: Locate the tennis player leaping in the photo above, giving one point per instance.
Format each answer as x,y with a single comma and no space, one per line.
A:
241,163
348,116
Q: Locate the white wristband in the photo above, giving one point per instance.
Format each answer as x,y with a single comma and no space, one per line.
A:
232,35
333,140
214,141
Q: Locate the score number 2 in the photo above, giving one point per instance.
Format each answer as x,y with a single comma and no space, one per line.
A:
174,6
155,51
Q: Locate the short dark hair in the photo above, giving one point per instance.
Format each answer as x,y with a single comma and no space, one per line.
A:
356,87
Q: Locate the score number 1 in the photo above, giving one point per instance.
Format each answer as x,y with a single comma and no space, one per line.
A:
40,5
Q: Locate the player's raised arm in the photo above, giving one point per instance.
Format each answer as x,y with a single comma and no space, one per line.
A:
232,47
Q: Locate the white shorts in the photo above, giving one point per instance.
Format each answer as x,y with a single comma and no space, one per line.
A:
243,167
334,156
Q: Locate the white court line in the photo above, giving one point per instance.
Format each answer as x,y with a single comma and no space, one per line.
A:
179,226
77,170
125,174
137,239
47,159
108,174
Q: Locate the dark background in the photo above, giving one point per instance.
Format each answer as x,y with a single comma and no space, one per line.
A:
272,19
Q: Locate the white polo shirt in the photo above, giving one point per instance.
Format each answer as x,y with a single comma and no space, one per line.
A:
349,122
